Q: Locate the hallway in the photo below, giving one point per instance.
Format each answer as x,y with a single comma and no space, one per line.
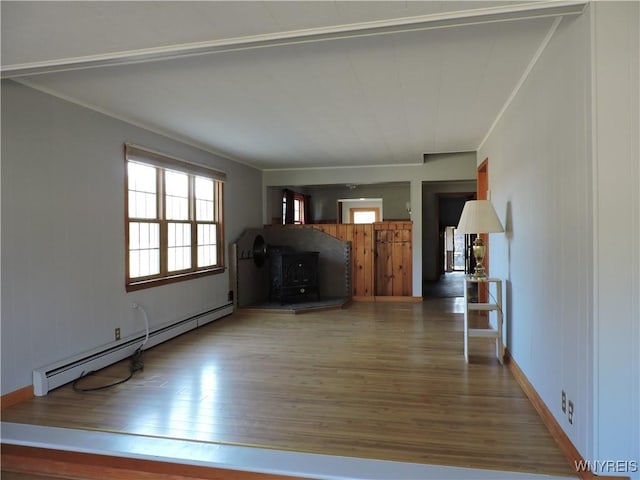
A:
450,284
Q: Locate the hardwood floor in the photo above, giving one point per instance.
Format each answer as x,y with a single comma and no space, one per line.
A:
374,380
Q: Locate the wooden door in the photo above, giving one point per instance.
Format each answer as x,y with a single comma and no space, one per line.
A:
393,259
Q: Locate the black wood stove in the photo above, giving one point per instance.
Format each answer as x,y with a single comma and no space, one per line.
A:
294,275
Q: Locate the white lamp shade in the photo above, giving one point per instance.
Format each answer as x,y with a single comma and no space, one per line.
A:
479,216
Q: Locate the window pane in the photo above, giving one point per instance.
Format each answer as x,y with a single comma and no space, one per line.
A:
171,235
364,217
204,210
145,262
143,229
204,188
179,258
142,178
207,255
176,183
179,234
142,191
154,236
150,206
134,236
179,243
296,211
207,245
176,195
204,199
134,264
144,249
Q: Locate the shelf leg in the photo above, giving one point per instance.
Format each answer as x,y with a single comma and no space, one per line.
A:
466,323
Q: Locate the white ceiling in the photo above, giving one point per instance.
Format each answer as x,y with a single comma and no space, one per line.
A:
286,84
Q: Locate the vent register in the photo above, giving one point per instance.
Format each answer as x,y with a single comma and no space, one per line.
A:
60,373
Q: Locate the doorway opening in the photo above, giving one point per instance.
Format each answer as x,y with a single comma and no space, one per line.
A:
365,215
455,251
442,205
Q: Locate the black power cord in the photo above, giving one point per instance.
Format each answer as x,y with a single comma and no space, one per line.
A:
135,364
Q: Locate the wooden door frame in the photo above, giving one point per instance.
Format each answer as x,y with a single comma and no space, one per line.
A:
482,194
483,180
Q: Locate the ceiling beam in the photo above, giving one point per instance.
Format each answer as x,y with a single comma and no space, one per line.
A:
380,27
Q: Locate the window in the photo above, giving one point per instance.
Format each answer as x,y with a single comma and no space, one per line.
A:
174,228
293,207
365,215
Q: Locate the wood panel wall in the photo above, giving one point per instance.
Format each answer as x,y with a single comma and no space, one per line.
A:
381,257
394,259
362,254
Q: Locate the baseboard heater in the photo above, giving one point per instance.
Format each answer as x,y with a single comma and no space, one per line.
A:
57,374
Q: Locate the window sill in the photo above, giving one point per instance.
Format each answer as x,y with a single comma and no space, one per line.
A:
156,282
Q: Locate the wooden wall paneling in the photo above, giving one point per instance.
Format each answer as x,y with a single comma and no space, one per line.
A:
381,256
380,261
369,260
407,262
355,251
350,237
358,261
391,240
394,259
398,266
331,229
363,260
384,265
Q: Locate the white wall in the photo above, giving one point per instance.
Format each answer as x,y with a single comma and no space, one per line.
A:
394,199
348,204
563,172
616,211
540,181
63,232
438,167
324,198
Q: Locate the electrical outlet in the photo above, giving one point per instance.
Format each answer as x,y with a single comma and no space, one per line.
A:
570,413
564,402
117,333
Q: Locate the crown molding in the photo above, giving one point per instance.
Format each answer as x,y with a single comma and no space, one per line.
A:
380,27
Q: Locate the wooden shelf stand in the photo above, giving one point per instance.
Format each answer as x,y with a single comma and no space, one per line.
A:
494,305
